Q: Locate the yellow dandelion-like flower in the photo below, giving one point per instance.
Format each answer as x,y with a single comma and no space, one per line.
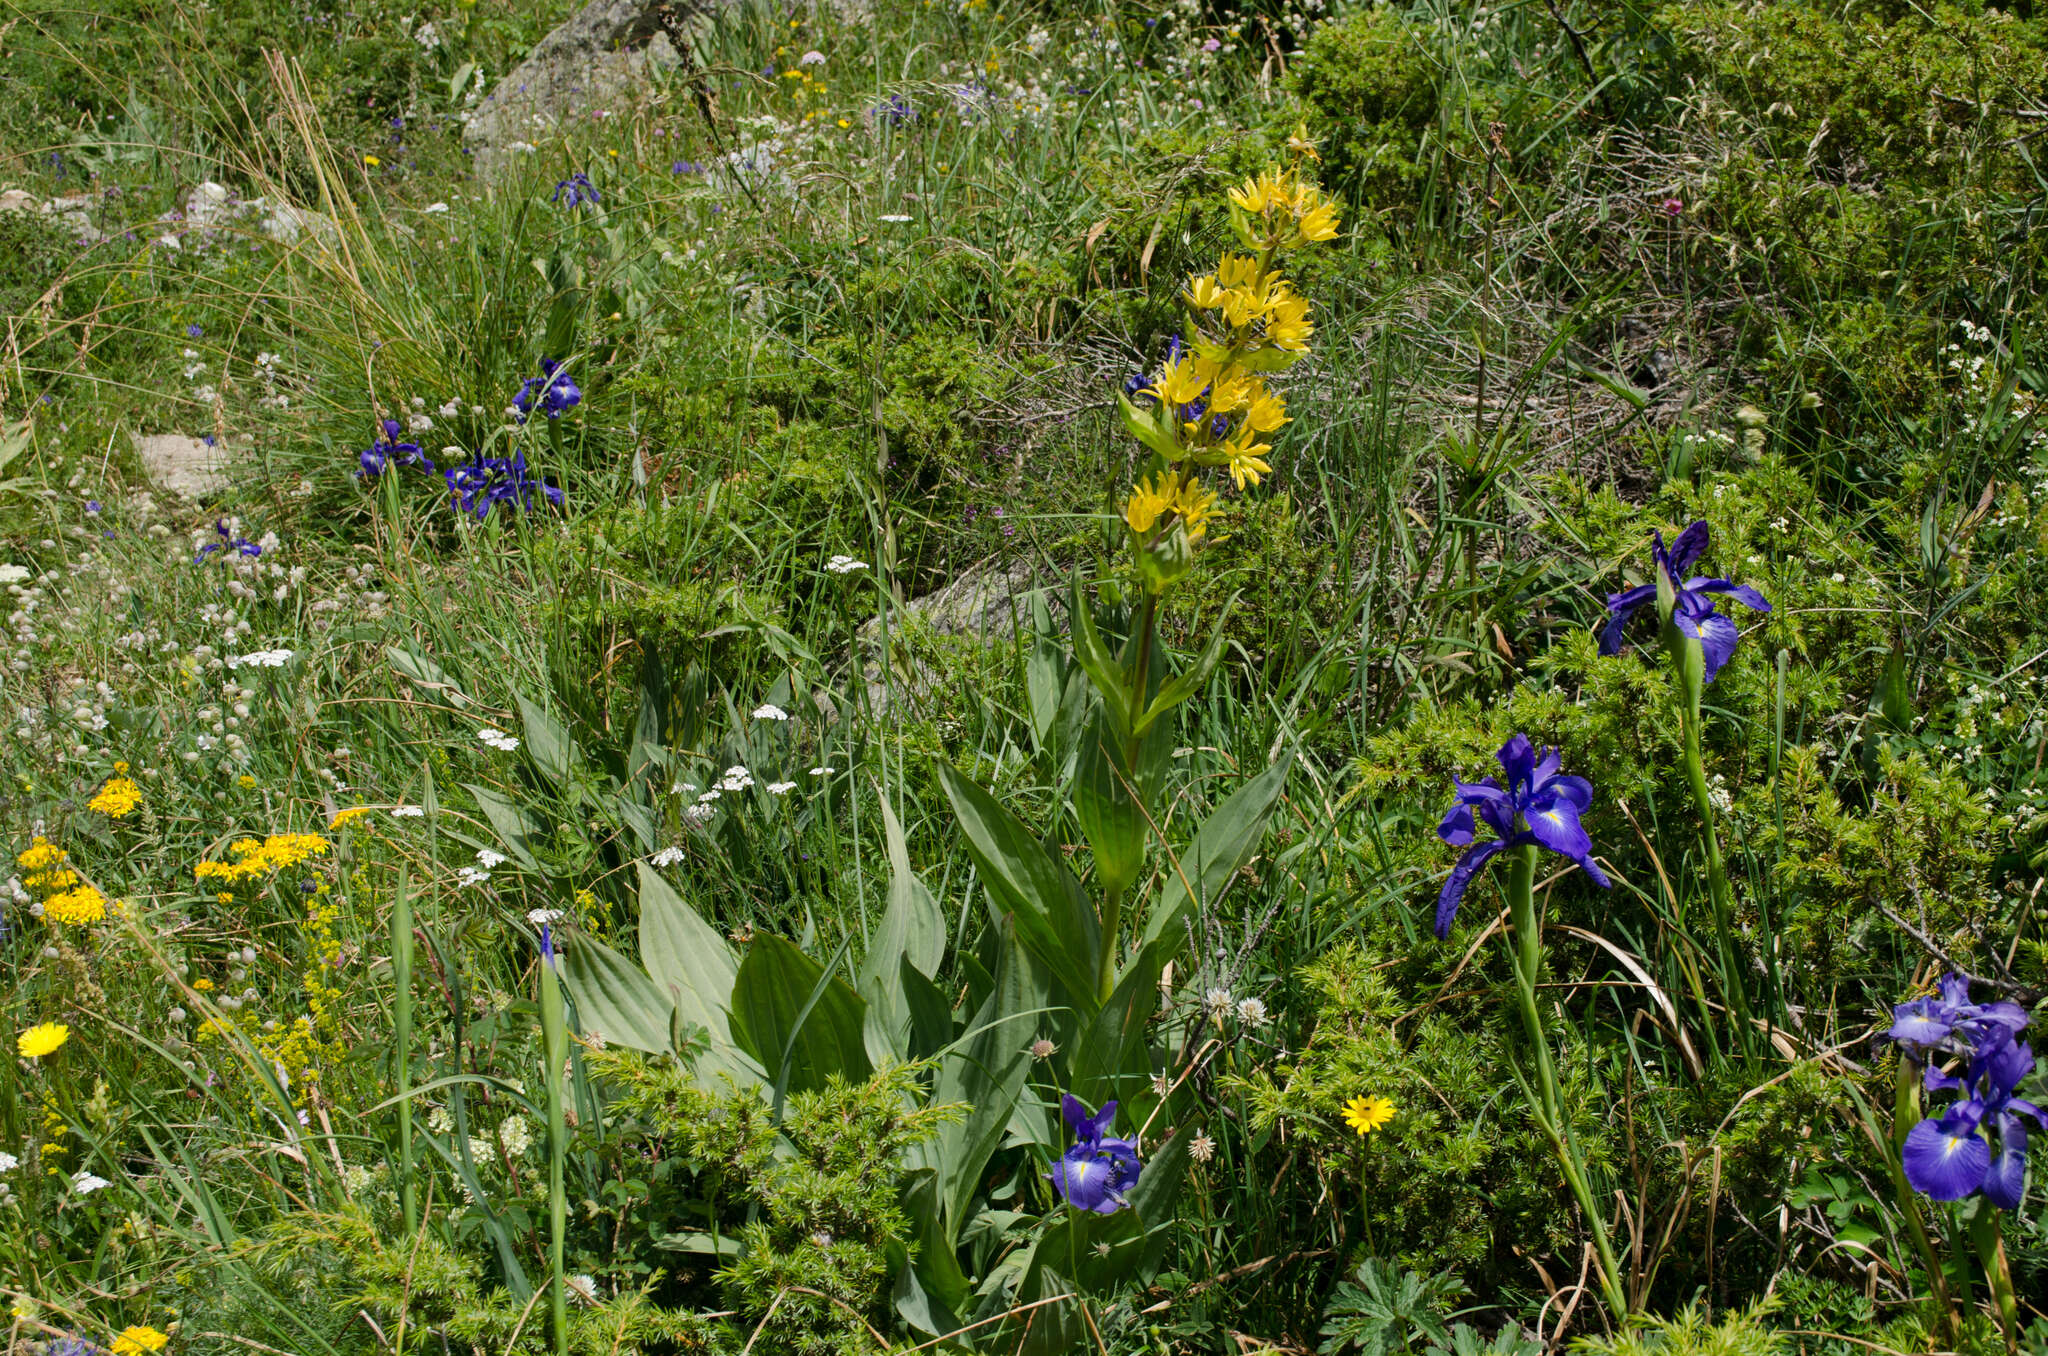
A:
139,1341
372,161
42,1040
349,816
117,799
76,908
1367,1114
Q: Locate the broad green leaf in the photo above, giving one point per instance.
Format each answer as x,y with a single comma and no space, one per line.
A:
931,1016
547,743
1223,844
1108,810
985,1071
801,1025
686,957
1054,916
615,997
511,823
1099,664
1894,693
1111,1057
1148,428
425,673
913,933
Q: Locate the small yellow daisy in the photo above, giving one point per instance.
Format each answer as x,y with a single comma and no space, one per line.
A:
1367,1114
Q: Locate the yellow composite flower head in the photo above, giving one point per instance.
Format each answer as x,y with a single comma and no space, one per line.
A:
117,798
1367,1114
139,1341
76,908
42,1040
349,816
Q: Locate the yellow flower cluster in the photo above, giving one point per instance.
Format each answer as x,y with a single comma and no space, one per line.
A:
347,817
117,799
1209,405
139,1341
253,860
43,865
77,907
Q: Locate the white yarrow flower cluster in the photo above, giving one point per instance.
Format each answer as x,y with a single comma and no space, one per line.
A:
488,859
847,564
261,659
769,711
85,1183
471,875
407,812
736,778
781,788
541,918
668,856
497,739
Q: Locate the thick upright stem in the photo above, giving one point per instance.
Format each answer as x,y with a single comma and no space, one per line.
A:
554,1053
401,1047
1905,1112
1984,1237
1717,873
1113,902
1528,961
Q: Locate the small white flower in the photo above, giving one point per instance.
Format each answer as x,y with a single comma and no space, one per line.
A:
713,794
541,918
668,856
430,209
262,659
85,1183
1251,1012
698,814
489,859
1217,1001
781,788
8,1162
13,574
407,812
471,875
419,423
736,778
811,59
847,564
497,739
769,711
582,1287
1202,1148
895,217
1840,578
822,771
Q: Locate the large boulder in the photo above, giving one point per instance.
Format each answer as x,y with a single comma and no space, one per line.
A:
597,59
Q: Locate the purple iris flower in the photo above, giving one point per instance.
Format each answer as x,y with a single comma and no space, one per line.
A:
387,452
483,483
228,542
576,191
1692,611
1538,805
553,389
1095,1173
1948,1157
1950,1019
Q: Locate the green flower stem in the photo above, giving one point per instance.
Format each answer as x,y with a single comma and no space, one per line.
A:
1113,900
1990,1248
554,1037
401,1046
1717,874
1905,1113
1528,961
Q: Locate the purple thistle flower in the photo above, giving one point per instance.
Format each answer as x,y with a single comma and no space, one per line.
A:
1692,612
1538,805
1097,1170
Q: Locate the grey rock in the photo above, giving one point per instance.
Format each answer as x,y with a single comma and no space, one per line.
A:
989,603
182,466
597,59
